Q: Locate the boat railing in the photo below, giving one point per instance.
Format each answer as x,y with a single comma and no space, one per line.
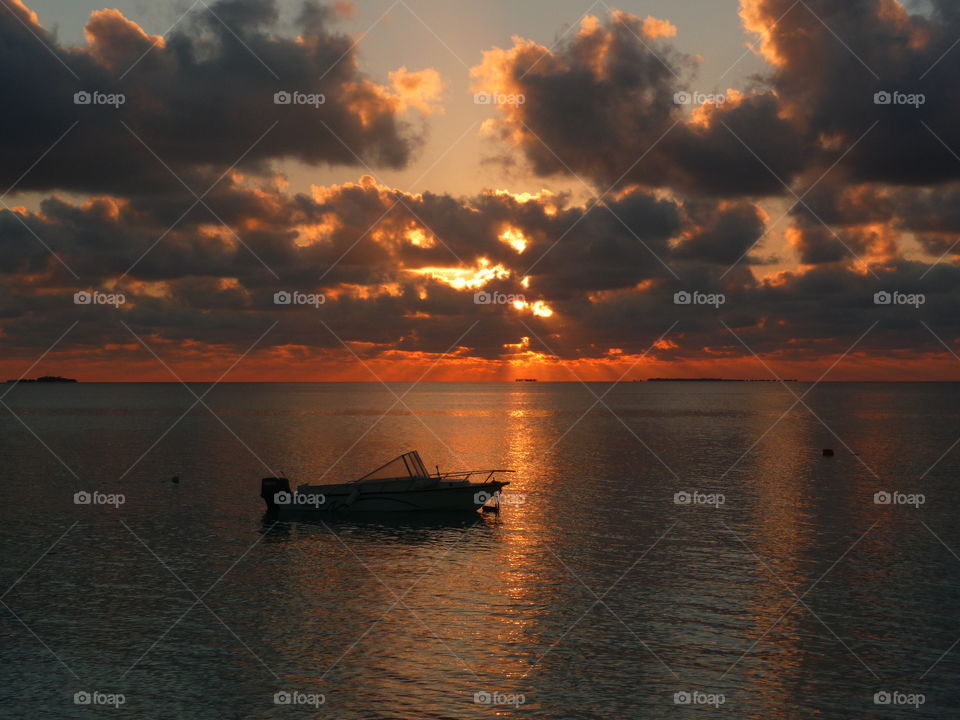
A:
467,474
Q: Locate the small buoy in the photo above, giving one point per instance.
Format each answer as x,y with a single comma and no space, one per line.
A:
175,479
828,452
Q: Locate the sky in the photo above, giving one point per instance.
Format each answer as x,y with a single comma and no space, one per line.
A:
562,190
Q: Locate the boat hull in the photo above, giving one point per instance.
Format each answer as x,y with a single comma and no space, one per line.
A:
317,502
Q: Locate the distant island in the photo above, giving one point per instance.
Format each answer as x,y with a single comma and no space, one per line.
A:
717,380
45,379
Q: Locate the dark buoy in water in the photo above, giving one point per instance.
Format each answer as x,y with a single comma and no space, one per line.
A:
828,452
175,479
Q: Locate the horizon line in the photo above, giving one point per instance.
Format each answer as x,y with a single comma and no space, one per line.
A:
30,381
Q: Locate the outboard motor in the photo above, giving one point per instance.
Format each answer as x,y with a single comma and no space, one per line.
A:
269,487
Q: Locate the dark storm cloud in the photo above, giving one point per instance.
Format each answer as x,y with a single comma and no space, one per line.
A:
390,288
361,233
603,99
200,99
834,62
724,232
928,209
396,269
817,245
610,250
837,204
853,212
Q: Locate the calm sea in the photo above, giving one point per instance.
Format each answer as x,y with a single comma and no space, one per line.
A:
671,550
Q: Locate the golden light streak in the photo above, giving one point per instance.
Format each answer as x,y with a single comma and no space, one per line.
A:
465,278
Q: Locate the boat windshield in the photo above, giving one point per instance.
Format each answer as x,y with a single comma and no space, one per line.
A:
406,465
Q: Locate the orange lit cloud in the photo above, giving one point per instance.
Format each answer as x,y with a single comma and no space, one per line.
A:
759,20
344,8
420,90
113,39
656,28
29,15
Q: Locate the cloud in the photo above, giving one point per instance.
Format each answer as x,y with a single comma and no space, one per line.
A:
656,28
399,273
862,89
840,69
202,99
722,233
608,106
420,90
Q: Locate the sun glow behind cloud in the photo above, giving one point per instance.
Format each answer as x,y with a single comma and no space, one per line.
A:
418,237
466,278
515,238
537,307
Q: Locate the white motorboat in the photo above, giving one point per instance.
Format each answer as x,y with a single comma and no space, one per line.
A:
401,485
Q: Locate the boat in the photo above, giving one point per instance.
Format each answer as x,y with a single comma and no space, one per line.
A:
401,485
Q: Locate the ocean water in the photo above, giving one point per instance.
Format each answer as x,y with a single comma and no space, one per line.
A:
672,550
